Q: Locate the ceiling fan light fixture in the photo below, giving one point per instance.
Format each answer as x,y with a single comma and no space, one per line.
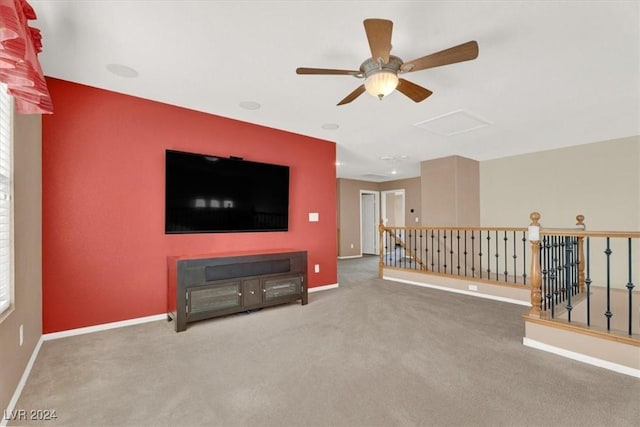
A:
381,83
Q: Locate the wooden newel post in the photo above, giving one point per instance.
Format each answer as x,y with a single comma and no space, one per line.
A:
536,274
581,262
380,248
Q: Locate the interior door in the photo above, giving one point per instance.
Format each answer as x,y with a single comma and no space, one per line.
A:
368,223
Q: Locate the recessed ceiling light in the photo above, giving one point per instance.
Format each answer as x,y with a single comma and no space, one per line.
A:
394,172
387,158
330,126
122,70
338,163
249,105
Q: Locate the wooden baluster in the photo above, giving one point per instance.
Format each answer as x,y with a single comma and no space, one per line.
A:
536,274
581,262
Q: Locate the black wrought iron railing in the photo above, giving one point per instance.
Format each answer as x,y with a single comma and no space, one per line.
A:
586,278
483,253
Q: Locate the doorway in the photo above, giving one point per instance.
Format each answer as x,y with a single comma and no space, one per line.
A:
369,219
393,208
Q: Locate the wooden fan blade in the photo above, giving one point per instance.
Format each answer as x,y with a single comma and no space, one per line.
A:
379,37
415,92
353,95
303,70
460,53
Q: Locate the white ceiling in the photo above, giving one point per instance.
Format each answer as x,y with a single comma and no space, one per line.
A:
549,74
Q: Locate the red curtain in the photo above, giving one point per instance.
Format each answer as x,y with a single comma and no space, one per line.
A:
19,66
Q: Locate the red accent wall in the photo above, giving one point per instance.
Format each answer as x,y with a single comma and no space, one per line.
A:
104,247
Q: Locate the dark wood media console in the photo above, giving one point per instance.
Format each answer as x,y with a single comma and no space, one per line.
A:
203,287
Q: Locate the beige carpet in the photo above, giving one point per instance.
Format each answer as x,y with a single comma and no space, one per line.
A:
370,353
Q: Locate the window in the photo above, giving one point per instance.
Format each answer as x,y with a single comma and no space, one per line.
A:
6,184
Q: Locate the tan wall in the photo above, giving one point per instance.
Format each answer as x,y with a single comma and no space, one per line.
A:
28,257
450,192
600,181
349,208
349,215
412,196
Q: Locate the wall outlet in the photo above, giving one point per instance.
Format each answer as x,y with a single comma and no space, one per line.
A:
352,246
473,287
314,217
316,268
21,335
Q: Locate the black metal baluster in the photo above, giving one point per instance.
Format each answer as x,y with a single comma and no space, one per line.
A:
408,259
497,255
608,313
561,261
390,256
515,260
553,278
387,254
465,253
438,250
524,257
392,243
587,281
426,245
415,254
480,249
489,254
399,247
473,254
568,256
451,250
458,251
575,264
432,252
546,288
554,269
630,288
421,247
444,250
506,239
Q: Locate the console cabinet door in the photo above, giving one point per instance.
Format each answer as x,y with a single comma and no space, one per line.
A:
281,287
251,292
213,298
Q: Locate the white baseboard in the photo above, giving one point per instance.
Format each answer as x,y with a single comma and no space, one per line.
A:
63,334
460,291
23,380
103,327
350,256
323,288
582,357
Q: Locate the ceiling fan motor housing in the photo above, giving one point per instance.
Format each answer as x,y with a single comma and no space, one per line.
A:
372,65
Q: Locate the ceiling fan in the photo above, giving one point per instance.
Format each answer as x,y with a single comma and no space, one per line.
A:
382,69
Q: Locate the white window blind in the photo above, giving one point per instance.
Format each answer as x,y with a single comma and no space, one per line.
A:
6,137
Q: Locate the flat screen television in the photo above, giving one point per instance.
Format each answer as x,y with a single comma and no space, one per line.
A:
212,194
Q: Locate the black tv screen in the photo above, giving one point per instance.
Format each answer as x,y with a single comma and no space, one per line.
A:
211,194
